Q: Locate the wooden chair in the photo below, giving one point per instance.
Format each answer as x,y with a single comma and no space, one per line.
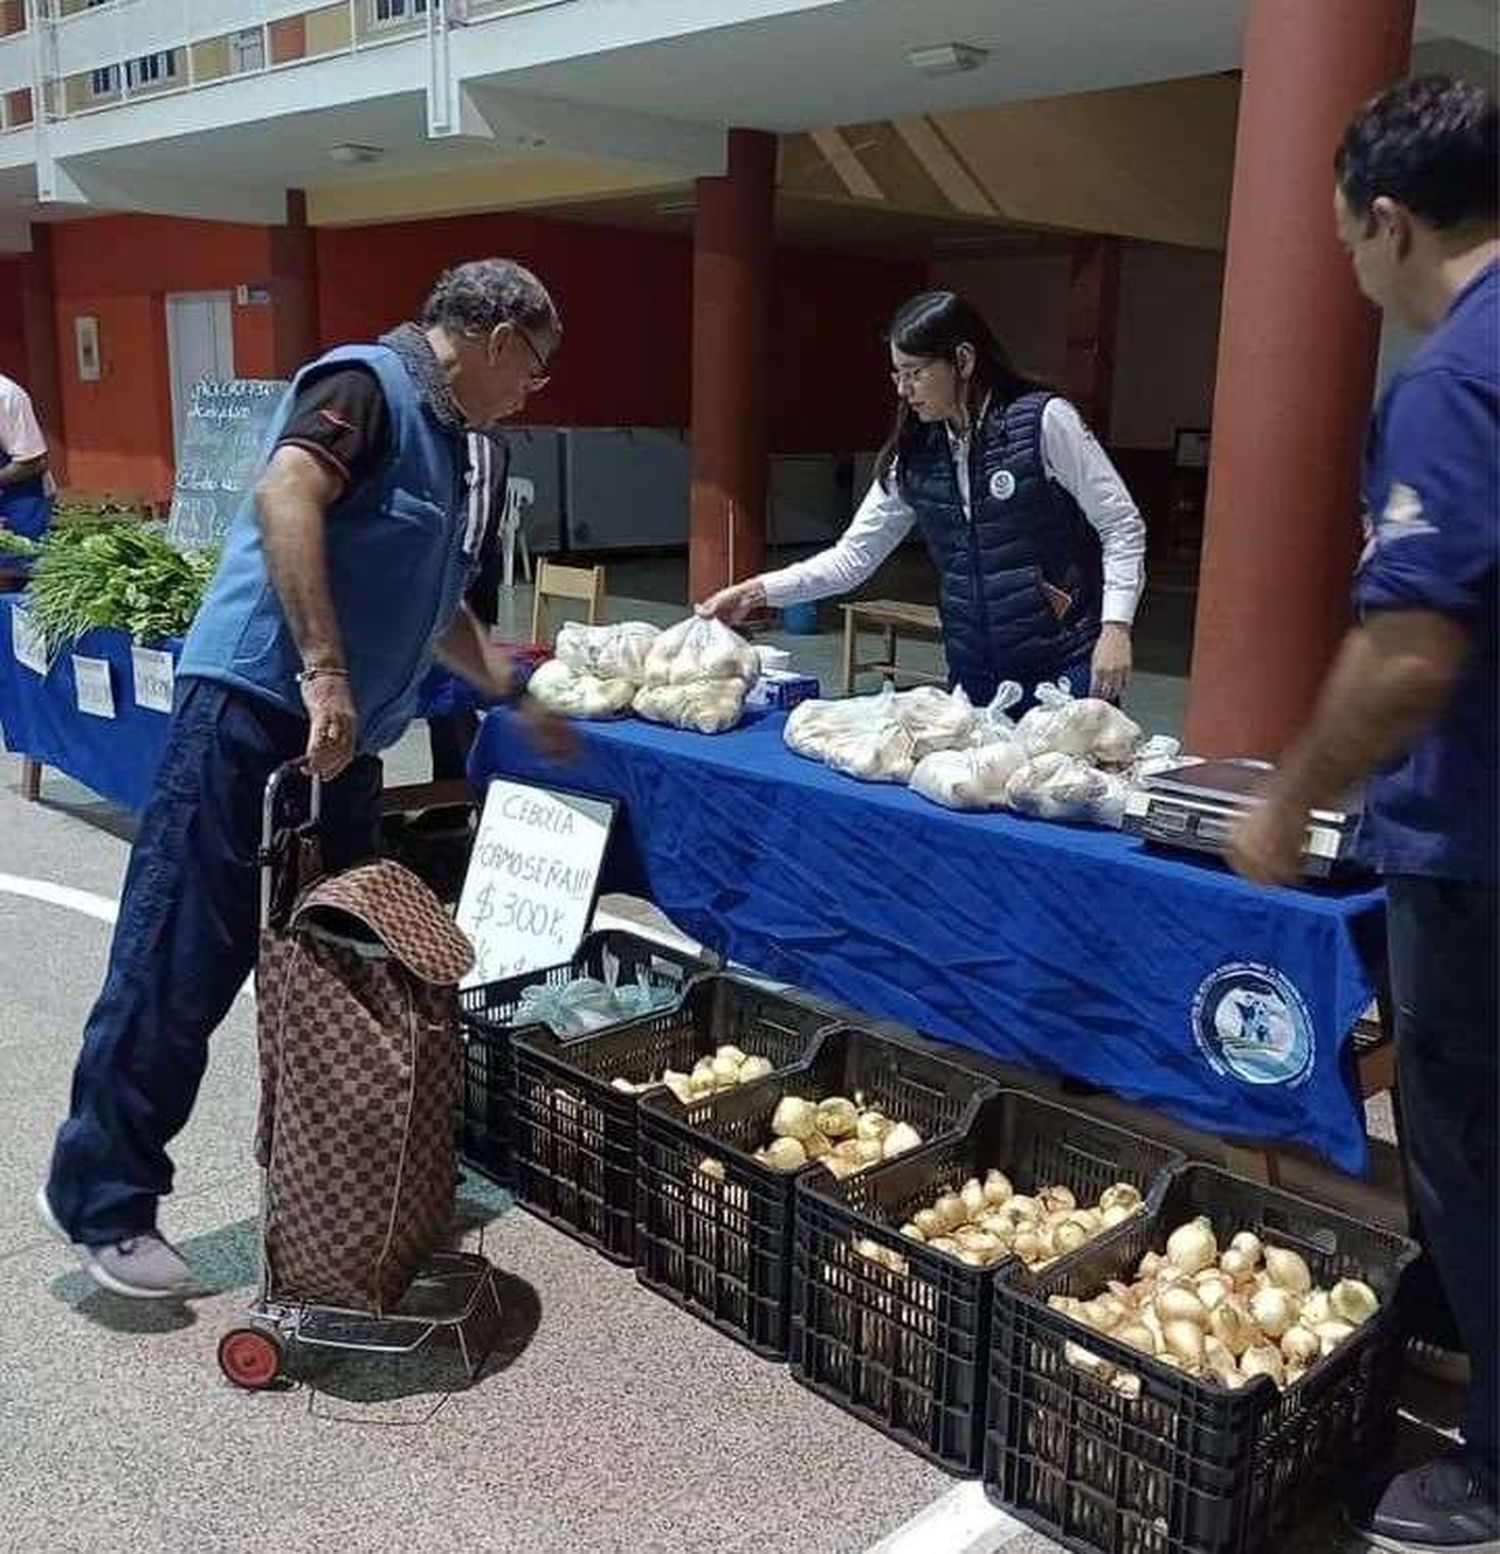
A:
585,584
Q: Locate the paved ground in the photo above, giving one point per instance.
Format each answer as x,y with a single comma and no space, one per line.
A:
608,1420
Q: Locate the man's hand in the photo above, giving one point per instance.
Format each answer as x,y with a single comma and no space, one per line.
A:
1266,845
550,734
731,605
333,724
1111,662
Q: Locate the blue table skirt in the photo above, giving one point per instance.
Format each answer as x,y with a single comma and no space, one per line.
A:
1166,980
117,757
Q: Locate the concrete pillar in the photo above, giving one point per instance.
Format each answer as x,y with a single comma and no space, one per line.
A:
42,378
1296,369
732,254
294,289
1093,313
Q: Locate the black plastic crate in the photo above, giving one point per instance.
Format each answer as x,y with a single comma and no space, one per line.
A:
1187,1467
722,1248
574,1135
908,1352
487,1020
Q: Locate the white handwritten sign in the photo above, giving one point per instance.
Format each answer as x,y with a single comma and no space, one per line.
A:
28,644
529,892
223,449
155,673
96,696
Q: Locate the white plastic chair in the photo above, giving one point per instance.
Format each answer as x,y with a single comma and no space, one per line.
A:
520,493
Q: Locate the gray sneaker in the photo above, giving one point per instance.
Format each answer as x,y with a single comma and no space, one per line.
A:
143,1267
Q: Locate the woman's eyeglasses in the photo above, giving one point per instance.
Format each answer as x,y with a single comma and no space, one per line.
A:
905,377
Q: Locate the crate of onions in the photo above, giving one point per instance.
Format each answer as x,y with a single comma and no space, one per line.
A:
575,1101
1186,1384
717,1177
893,1269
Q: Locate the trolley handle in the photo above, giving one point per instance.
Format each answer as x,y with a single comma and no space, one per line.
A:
268,829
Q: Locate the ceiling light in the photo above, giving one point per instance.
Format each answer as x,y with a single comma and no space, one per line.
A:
946,59
351,153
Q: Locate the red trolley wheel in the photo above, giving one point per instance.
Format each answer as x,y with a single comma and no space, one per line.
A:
250,1357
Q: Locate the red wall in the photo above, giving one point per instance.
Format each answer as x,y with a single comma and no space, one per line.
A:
12,337
120,269
625,297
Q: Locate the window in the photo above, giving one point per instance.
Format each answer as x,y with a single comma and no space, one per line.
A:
389,13
247,50
152,70
104,83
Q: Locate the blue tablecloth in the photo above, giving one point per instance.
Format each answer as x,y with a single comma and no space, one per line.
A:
116,757
1166,980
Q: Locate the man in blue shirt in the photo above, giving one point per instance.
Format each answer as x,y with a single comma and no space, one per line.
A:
1411,704
342,580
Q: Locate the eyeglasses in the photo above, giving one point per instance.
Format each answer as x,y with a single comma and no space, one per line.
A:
905,377
540,375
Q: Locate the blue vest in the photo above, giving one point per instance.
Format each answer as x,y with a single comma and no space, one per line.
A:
396,570
998,623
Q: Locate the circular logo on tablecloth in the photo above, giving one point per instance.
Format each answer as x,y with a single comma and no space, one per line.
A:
1250,1022
1002,485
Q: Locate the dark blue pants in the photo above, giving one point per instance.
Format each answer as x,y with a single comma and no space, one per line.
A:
183,945
1443,982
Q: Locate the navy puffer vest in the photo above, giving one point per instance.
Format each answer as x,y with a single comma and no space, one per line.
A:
998,621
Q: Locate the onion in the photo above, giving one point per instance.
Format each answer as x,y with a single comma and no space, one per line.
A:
754,1068
1176,1304
867,1151
732,1054
912,1232
1220,1362
1237,1264
1027,1245
1331,1335
973,1197
950,1210
681,1086
793,1118
816,1144
944,1244
1136,1335
973,1259
1263,1360
929,1222
1315,1309
785,1154
1249,1244
873,1125
1057,1198
997,1188
1104,1312
981,1241
1273,1311
1122,1195
1212,1290
1115,1214
1191,1247
1149,1265
726,1071
1352,1301
997,1225
1069,1236
1185,1340
1288,1270
711,1168
837,1117
1021,1210
1230,1323
900,1139
1299,1346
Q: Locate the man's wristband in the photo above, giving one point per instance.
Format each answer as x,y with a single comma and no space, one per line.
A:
319,672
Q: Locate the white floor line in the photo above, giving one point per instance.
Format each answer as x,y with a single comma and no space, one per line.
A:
962,1521
84,901
101,908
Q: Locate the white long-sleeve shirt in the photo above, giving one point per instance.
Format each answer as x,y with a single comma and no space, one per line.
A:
1071,456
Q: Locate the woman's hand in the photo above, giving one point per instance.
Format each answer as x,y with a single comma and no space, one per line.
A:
1111,662
731,605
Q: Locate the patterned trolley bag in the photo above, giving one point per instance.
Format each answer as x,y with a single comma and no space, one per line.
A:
360,1075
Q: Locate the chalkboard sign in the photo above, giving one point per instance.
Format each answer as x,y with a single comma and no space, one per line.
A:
532,880
223,439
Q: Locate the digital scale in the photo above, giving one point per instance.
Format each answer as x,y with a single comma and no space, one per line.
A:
1194,807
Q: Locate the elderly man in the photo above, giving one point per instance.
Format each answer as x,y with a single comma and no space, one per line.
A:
342,580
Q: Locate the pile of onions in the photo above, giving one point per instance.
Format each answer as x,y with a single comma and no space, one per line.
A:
985,1221
1251,1310
841,1135
727,1068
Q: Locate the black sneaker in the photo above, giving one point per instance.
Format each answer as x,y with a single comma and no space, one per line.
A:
1438,1506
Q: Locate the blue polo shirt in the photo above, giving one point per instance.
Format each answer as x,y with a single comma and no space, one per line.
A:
1432,503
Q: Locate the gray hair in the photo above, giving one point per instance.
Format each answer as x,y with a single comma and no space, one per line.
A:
471,299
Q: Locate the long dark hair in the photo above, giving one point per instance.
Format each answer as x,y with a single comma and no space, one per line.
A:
934,325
